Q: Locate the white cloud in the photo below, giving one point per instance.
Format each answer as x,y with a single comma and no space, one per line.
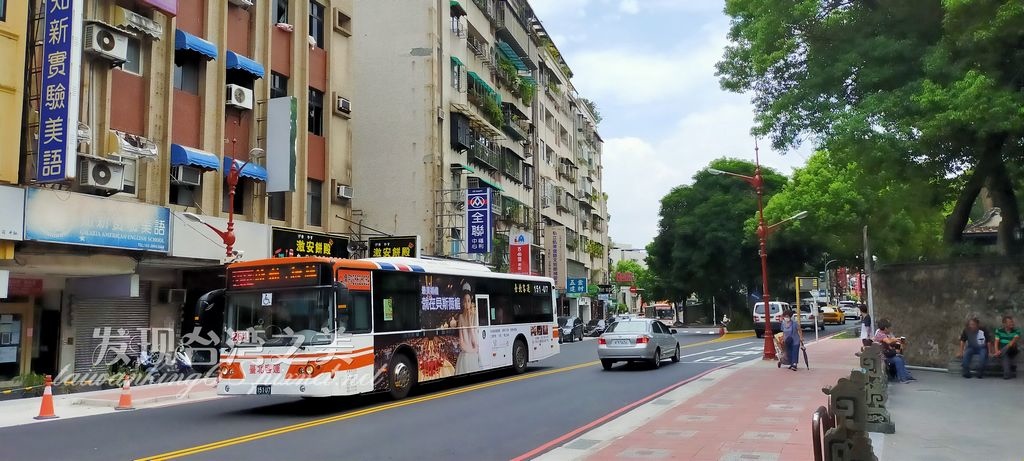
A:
629,6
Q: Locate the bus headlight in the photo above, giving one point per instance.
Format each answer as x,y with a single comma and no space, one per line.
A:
309,369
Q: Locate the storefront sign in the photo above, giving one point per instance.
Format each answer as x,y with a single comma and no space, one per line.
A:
478,219
58,105
79,219
394,247
12,208
24,287
168,7
624,277
520,259
289,243
190,239
576,285
554,243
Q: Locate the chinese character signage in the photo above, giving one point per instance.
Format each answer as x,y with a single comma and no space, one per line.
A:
394,247
554,244
576,285
519,256
478,220
79,219
61,77
289,243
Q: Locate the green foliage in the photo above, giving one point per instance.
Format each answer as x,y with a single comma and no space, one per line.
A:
509,71
527,91
492,109
553,87
595,249
592,106
933,85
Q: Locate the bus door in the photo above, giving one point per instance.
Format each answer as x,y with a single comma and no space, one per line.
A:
485,312
491,354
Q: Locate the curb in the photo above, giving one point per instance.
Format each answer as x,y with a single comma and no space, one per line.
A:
146,401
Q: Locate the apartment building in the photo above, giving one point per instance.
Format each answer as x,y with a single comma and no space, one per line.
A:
136,113
458,96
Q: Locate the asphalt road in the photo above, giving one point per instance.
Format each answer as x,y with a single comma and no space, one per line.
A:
490,416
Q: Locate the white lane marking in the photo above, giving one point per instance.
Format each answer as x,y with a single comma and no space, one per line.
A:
716,350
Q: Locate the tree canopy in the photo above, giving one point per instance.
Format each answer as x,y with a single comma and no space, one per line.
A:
932,84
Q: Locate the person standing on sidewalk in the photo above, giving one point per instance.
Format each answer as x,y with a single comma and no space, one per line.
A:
974,341
791,339
1006,339
865,326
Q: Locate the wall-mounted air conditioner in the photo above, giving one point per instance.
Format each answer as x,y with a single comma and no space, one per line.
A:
241,3
100,174
186,175
343,191
105,42
239,97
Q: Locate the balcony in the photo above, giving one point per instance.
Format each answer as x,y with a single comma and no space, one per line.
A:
487,7
509,28
517,126
484,97
484,155
512,166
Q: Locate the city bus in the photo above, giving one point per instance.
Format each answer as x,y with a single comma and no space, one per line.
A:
665,313
320,327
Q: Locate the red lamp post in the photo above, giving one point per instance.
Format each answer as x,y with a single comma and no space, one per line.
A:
757,181
228,236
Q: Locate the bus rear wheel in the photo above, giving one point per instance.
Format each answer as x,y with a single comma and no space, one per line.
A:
401,376
520,356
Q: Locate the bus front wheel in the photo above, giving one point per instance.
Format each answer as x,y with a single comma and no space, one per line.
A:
401,376
519,356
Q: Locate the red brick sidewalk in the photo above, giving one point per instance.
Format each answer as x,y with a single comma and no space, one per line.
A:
752,411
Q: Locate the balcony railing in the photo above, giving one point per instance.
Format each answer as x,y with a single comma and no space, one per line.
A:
512,167
516,127
485,156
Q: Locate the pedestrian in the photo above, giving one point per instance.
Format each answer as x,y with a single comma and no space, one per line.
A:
892,350
865,326
974,340
791,338
1005,345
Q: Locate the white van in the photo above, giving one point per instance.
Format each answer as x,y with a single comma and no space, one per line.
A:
775,314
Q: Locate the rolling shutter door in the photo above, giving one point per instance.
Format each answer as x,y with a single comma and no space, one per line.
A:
95,315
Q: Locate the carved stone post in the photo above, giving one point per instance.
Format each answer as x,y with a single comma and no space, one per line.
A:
848,441
876,391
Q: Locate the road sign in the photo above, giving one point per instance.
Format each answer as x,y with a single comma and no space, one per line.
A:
807,283
632,290
576,285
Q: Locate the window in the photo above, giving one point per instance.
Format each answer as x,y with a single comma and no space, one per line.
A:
278,85
356,317
316,112
456,76
396,300
3,10
316,23
281,11
275,206
186,72
238,207
528,176
314,201
133,61
185,195
130,174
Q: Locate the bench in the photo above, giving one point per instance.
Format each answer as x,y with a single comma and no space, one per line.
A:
993,368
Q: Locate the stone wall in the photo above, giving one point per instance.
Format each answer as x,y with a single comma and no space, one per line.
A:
929,303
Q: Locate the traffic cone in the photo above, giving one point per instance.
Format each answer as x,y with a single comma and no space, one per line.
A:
125,403
46,406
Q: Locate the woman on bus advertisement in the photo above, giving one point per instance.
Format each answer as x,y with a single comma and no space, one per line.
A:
469,353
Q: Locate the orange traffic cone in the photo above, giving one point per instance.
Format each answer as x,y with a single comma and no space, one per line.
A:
46,406
125,403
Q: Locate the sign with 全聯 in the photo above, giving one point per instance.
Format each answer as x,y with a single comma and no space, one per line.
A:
56,157
479,220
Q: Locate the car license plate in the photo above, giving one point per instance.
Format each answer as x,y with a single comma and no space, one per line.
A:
263,389
620,342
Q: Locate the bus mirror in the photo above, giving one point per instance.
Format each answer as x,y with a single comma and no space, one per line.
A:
209,300
341,294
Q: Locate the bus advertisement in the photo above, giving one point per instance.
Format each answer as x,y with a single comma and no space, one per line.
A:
319,327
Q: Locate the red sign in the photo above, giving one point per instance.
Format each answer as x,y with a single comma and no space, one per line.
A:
632,290
519,259
24,287
624,277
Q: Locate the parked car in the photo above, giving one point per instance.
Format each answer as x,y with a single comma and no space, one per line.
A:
775,314
595,327
636,340
833,315
570,329
808,311
850,309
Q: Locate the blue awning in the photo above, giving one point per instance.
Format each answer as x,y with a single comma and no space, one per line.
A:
188,42
239,62
187,156
250,170
513,57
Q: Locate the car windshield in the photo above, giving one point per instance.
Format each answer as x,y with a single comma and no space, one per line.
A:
290,317
628,327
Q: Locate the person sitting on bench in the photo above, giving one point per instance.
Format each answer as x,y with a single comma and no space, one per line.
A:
892,348
1006,339
974,340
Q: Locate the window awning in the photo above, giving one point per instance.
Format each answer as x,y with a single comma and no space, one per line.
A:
250,170
528,78
188,42
459,166
511,54
457,9
480,81
239,62
187,156
457,62
490,184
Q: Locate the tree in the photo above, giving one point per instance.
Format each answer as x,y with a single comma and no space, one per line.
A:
702,245
934,84
642,278
592,106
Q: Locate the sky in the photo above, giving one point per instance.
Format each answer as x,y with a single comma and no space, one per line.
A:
649,67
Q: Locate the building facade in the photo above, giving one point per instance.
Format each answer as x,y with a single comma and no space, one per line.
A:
135,114
467,95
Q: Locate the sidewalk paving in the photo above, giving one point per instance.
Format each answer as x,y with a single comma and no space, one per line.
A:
751,411
21,411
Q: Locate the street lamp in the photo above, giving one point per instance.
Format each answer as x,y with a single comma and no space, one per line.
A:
228,236
828,286
757,181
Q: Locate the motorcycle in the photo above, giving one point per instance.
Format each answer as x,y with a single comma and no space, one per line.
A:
157,364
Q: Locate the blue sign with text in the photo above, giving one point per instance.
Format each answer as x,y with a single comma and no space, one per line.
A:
576,285
79,219
478,220
58,102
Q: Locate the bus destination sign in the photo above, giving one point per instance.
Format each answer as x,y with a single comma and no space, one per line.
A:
536,289
274,276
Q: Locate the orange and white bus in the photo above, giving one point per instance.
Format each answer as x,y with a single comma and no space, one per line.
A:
318,327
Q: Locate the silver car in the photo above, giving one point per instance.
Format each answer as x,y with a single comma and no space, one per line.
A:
637,339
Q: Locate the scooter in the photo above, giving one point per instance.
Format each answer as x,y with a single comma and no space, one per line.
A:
155,364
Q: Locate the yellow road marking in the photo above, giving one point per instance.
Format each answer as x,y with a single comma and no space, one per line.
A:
367,411
732,336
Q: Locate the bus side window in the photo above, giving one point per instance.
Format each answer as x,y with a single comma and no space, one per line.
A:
356,317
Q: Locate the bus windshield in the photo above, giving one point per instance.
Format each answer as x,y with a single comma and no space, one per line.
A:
283,317
665,313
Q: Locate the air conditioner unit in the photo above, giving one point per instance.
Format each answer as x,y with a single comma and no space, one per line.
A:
186,175
105,42
344,105
239,97
343,191
173,296
100,174
241,3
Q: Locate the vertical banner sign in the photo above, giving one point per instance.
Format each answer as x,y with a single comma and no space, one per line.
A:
478,219
56,158
282,120
554,243
519,254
